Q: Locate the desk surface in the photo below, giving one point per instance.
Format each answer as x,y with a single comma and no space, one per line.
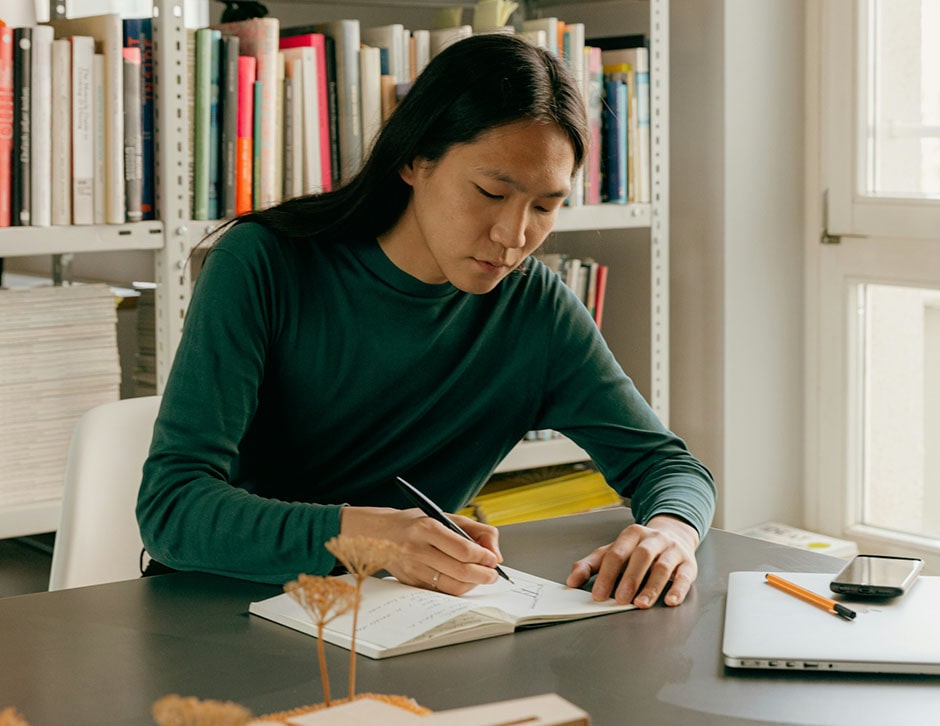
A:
103,654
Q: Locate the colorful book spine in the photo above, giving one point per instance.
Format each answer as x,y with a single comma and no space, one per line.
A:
258,37
594,74
326,131
257,148
615,138
133,143
215,50
244,156
202,121
138,33
6,123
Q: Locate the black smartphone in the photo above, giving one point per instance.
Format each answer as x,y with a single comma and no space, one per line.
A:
877,576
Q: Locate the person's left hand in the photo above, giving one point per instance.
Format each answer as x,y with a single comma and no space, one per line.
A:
646,557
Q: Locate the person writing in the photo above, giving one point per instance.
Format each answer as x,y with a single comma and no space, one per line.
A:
400,326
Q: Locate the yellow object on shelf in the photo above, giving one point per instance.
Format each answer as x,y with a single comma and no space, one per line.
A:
579,491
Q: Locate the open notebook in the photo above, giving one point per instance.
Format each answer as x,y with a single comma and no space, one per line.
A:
767,628
395,619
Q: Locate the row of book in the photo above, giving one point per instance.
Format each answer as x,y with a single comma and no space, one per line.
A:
585,276
58,359
282,111
76,100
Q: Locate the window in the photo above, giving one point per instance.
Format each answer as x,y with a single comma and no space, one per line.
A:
873,309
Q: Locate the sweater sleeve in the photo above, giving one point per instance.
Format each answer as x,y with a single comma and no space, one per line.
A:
191,516
591,400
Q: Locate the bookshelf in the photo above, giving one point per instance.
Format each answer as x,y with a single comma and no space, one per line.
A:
172,238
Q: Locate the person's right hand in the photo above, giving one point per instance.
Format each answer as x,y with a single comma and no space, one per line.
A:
432,556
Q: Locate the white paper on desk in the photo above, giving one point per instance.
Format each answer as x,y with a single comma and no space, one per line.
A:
396,618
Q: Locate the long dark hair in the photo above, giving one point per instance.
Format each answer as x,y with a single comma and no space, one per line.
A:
472,86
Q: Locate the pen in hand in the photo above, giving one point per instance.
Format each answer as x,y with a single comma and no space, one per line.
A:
811,597
435,512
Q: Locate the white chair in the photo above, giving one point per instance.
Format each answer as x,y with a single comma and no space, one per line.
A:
98,539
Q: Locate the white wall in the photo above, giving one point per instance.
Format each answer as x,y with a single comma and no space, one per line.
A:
736,249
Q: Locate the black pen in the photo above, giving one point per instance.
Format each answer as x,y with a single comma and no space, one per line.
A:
435,512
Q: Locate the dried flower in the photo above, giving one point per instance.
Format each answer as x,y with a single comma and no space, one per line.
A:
174,710
324,598
362,557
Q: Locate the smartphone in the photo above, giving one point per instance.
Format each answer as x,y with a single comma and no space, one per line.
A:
877,576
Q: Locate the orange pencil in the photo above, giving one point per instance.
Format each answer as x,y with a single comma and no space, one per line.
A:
811,597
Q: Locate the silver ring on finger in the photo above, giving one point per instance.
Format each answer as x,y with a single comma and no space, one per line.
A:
437,576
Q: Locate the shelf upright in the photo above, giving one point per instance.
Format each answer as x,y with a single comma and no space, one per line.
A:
659,215
171,271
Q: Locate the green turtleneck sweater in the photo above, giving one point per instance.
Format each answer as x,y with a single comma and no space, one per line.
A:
310,375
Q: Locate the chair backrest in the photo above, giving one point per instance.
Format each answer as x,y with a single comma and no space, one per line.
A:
98,539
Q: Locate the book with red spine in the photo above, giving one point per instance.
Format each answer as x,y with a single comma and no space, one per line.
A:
244,146
317,41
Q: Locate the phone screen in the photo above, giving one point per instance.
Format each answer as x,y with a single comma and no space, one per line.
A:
876,575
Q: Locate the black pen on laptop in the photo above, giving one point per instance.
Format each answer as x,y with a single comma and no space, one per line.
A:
435,512
811,597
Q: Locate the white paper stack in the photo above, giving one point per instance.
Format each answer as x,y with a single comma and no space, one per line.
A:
58,359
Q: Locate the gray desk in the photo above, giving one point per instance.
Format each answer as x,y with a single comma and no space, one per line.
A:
102,655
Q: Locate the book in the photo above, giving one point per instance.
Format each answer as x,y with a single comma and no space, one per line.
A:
293,129
440,38
244,150
41,128
258,37
206,38
392,38
594,80
83,133
6,117
307,135
395,618
228,103
61,171
615,158
21,185
327,125
107,31
549,26
98,130
344,36
138,33
133,141
370,80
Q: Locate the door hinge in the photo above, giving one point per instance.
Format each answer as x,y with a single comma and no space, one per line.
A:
825,237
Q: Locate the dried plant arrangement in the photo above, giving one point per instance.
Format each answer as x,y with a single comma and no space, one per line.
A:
174,710
11,717
324,599
362,557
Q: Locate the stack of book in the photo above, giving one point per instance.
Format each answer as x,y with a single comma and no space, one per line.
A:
145,358
58,359
540,494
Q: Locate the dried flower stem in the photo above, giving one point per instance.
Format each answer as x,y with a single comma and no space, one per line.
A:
362,557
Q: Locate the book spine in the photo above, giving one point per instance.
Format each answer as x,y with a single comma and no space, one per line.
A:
595,81
215,47
202,120
61,173
257,148
370,75
83,137
133,141
6,123
345,34
229,125
99,130
244,151
114,120
22,84
615,137
332,97
291,126
41,129
138,33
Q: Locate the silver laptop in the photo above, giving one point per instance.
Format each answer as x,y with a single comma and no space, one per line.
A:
767,628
